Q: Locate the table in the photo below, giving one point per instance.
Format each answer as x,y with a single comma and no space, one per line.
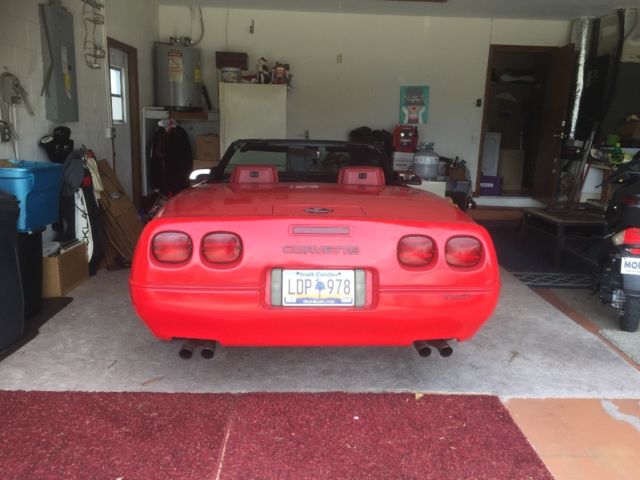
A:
562,223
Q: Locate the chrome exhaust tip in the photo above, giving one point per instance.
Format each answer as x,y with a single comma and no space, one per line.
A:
443,347
423,348
208,351
186,351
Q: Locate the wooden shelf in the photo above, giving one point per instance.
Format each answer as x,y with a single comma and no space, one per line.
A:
160,114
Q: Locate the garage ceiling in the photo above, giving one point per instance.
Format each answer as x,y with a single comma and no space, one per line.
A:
542,9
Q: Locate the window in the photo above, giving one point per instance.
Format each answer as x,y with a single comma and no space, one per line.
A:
117,95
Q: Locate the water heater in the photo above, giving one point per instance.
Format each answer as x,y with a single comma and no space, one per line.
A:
178,77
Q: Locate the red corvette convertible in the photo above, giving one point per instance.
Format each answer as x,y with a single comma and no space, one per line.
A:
300,243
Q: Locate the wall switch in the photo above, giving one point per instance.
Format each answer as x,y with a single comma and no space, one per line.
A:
339,58
5,133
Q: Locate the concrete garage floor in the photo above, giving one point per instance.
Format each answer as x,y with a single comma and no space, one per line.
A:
574,397
527,349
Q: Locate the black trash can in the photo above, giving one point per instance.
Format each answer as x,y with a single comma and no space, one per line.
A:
30,260
12,324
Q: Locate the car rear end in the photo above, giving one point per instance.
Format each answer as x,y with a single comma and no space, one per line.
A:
304,280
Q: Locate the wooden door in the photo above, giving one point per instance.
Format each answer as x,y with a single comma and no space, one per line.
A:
124,105
553,121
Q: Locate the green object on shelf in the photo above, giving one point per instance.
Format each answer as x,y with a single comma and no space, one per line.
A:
617,155
613,140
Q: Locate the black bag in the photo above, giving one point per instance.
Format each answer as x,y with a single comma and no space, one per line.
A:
171,160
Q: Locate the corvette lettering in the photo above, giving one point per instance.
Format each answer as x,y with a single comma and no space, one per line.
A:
322,249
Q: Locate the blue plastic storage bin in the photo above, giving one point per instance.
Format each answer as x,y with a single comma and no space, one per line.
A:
37,186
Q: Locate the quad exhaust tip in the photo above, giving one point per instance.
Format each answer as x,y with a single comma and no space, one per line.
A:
207,350
424,347
186,351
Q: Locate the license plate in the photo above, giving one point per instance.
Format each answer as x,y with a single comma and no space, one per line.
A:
318,288
630,265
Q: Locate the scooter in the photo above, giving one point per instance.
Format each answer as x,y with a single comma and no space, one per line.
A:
619,274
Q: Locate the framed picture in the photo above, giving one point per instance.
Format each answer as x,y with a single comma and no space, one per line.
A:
414,104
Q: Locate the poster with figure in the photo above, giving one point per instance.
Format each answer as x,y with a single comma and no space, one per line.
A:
414,104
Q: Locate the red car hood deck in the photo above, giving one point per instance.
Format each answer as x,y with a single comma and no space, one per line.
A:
301,199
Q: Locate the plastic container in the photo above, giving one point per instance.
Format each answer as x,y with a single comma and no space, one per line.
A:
12,324
30,261
490,185
36,185
231,75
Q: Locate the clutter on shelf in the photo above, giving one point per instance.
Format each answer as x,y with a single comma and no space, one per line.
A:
233,64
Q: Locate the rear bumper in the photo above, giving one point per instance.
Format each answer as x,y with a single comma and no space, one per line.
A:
238,317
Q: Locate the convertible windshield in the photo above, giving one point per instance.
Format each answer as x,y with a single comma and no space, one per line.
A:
305,162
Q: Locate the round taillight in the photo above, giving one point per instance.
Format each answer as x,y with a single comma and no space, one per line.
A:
221,247
463,251
416,250
171,247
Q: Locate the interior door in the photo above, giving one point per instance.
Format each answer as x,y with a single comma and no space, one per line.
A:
121,116
553,121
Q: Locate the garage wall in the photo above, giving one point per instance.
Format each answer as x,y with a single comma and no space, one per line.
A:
379,54
548,33
136,23
20,53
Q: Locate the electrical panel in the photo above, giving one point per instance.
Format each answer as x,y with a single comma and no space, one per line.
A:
59,62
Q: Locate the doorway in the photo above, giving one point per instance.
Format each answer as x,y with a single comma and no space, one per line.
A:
526,106
124,105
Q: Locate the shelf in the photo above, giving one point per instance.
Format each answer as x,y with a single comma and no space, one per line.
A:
156,113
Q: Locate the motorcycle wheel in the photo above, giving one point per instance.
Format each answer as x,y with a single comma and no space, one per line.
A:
631,316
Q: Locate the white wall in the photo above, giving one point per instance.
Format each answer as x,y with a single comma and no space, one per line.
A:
20,53
549,33
379,54
136,23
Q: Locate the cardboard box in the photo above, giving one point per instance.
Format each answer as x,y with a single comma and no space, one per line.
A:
208,148
121,221
629,130
511,168
198,164
402,161
65,271
433,186
457,173
232,59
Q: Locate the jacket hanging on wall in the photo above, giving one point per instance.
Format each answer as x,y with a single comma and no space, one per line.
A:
171,158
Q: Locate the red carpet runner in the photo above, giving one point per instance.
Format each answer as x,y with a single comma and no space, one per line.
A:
260,436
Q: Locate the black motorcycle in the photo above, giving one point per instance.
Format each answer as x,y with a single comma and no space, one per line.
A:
619,274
